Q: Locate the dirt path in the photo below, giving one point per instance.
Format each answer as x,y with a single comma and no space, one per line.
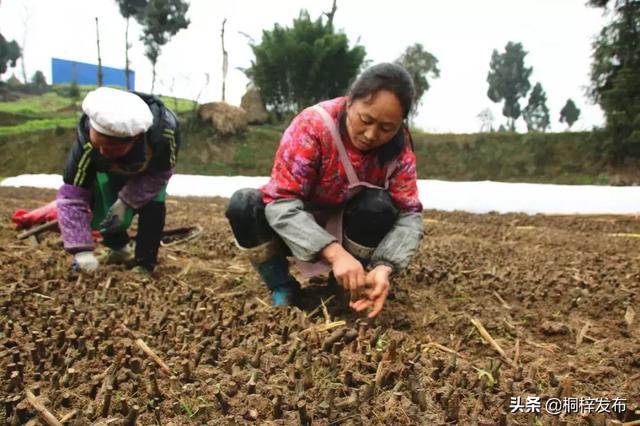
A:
558,296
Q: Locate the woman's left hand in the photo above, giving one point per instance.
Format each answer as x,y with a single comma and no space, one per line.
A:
376,292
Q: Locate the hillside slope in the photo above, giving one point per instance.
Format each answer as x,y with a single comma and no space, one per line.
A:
36,132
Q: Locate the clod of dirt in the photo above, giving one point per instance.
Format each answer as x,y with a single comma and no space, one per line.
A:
550,328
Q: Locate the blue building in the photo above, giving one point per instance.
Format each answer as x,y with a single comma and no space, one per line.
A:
65,71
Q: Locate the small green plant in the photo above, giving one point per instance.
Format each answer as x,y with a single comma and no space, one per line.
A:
186,408
206,406
382,343
491,382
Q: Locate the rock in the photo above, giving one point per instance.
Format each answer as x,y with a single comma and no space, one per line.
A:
251,414
224,118
253,104
551,328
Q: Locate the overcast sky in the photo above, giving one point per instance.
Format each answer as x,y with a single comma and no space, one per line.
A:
461,34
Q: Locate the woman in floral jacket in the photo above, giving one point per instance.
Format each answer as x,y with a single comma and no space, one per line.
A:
342,196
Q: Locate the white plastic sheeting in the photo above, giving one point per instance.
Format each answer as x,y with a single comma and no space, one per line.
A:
474,197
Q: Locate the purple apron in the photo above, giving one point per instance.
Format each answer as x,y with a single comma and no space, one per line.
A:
333,220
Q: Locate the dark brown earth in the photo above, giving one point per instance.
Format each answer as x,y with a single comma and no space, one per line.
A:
558,294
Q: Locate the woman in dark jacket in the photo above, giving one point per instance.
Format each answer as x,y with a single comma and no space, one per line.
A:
123,157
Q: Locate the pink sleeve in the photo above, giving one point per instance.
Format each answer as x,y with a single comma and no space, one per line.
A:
142,188
297,160
403,184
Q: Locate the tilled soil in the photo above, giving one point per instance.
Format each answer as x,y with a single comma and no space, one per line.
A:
492,309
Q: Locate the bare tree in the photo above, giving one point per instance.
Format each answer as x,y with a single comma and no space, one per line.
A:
173,95
250,39
99,57
162,20
486,117
129,9
127,45
331,14
225,61
24,41
206,83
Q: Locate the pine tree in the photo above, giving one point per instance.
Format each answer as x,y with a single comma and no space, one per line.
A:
508,80
536,113
569,113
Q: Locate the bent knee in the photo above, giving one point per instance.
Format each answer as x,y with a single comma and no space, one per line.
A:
243,204
372,205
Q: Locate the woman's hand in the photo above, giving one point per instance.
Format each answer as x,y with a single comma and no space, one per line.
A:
377,281
347,269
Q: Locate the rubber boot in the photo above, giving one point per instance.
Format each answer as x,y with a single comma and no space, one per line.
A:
275,274
150,225
273,269
119,256
362,253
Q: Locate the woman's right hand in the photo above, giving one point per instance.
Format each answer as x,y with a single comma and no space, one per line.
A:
347,269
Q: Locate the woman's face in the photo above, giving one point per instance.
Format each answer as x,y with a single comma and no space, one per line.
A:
373,121
109,146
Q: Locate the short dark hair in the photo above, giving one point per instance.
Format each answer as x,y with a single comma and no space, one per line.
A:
385,76
396,79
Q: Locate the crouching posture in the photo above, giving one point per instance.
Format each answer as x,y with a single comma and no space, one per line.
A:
124,154
342,195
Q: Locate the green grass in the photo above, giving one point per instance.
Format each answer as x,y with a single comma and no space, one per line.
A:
39,125
35,152
250,154
34,113
572,158
256,150
178,105
186,407
52,102
49,103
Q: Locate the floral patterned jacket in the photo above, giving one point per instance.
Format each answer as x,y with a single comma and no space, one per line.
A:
307,171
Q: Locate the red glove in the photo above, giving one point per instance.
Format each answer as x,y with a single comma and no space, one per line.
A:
24,219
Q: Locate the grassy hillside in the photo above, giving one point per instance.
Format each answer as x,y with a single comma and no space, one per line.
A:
250,154
571,158
55,108
36,132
